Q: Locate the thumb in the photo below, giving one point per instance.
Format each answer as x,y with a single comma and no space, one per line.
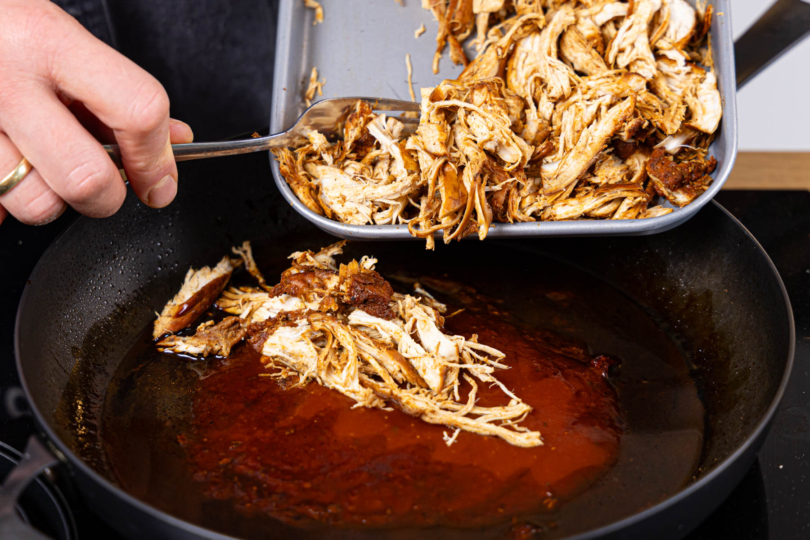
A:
180,132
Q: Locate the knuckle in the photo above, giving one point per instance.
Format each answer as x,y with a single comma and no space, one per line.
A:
43,209
41,19
36,19
86,181
22,43
150,108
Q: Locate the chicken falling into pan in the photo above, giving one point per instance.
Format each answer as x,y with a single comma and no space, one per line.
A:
571,110
345,328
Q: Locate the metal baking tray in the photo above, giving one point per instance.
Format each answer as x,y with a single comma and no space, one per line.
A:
360,50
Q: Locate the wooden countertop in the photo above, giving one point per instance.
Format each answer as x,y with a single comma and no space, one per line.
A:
770,170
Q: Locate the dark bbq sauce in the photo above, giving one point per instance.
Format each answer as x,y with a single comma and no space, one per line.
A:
304,455
219,443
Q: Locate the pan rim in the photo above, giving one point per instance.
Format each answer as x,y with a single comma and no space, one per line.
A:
760,428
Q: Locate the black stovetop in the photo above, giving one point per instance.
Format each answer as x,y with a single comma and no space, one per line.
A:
773,500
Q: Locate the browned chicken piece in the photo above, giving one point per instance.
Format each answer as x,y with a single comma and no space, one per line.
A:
705,105
655,211
434,137
311,283
199,291
315,6
483,10
461,21
209,338
308,285
456,22
297,179
592,141
606,209
674,143
680,23
630,208
245,252
535,66
630,47
366,290
356,137
487,6
609,169
323,259
679,183
591,19
704,22
314,88
580,53
577,206
637,165
492,62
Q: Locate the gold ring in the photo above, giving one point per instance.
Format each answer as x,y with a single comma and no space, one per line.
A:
15,177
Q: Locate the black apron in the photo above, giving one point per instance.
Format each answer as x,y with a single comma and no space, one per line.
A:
214,57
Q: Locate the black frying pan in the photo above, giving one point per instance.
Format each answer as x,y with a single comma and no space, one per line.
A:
708,282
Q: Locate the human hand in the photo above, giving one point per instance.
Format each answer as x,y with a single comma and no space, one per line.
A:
61,91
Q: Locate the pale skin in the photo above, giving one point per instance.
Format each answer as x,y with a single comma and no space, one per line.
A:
61,92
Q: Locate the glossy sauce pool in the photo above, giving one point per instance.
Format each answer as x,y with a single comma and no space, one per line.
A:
223,445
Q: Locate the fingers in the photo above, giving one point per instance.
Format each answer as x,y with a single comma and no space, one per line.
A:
125,98
31,201
60,87
180,132
96,127
66,156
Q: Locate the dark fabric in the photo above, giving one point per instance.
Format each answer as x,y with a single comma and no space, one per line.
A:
214,57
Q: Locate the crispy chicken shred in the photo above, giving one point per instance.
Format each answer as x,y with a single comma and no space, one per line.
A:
560,116
199,291
409,66
343,327
314,87
315,6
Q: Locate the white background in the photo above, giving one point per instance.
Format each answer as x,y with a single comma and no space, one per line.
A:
774,107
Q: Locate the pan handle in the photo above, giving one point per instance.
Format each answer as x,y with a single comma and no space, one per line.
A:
784,25
35,460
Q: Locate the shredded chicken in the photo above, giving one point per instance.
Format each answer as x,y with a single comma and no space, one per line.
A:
312,4
680,183
456,23
343,326
410,76
199,291
566,101
419,31
314,87
209,338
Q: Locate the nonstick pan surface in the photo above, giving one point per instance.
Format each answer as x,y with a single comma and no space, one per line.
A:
708,283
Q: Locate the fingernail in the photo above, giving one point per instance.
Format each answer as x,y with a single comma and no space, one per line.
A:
53,217
162,193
